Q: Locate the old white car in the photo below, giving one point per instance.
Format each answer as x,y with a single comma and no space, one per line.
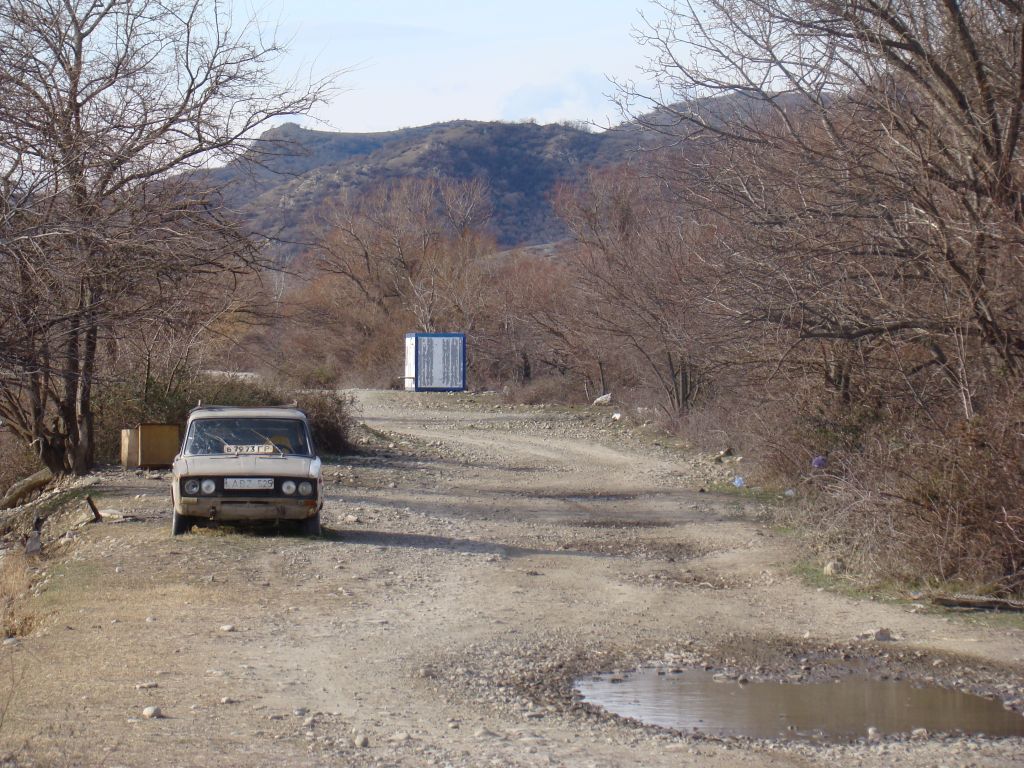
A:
247,464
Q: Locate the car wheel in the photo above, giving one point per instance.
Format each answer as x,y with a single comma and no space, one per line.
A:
310,526
180,524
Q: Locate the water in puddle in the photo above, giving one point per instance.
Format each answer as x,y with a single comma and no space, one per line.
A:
833,711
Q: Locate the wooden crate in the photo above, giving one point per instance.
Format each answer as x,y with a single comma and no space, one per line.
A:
150,445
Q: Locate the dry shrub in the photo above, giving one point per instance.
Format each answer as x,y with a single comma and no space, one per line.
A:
128,402
548,389
724,422
334,341
935,502
917,495
323,375
777,431
16,461
330,418
784,439
14,584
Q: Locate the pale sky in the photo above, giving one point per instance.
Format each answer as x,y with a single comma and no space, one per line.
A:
414,63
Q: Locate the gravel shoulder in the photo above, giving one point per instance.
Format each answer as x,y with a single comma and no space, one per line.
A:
477,558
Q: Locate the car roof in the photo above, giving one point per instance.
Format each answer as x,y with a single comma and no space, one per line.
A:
239,412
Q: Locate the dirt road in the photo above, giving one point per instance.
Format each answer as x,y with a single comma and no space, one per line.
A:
476,559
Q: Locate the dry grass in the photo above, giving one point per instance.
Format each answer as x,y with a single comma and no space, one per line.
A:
15,582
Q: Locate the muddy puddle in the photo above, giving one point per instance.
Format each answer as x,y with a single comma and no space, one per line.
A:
831,711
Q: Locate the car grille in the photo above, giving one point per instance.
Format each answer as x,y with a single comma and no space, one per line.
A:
248,493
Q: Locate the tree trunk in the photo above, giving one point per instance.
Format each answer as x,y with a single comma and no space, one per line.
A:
83,448
52,456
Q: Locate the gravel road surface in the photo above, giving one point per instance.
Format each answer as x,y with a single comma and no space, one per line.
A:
477,558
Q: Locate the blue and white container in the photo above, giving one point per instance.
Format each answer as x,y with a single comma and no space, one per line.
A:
435,362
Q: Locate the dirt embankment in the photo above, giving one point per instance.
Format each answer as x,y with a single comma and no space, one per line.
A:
477,558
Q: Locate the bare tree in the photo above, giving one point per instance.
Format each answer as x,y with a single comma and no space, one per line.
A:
413,246
861,163
867,155
640,266
111,110
531,328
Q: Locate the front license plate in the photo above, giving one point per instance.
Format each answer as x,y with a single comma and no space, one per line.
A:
248,483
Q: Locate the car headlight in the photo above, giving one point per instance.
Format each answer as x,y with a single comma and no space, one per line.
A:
305,488
288,487
191,487
209,486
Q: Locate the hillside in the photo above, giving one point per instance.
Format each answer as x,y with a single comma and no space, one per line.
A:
522,162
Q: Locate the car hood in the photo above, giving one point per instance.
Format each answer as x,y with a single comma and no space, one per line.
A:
256,466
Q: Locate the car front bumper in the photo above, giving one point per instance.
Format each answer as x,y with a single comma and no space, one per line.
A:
216,508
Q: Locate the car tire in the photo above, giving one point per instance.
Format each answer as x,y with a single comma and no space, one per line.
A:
310,526
180,524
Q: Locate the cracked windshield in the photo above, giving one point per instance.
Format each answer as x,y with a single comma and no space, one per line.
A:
251,436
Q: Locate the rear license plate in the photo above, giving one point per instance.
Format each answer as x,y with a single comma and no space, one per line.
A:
248,483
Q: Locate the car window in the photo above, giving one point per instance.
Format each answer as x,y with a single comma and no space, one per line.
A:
218,436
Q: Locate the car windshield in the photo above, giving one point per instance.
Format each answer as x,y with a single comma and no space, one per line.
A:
247,436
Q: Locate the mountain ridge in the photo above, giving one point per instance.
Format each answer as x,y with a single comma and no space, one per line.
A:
521,162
